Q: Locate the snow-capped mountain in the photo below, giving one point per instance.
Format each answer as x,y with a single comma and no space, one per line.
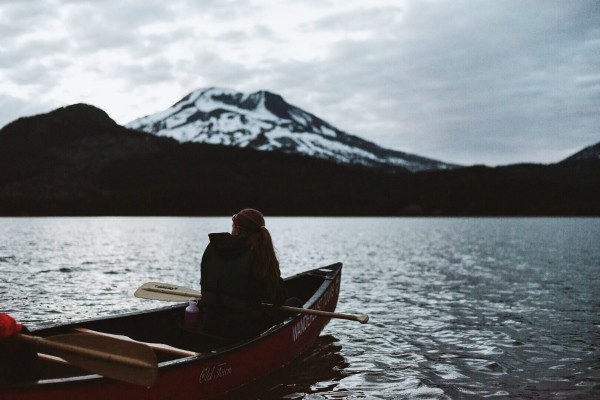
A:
265,121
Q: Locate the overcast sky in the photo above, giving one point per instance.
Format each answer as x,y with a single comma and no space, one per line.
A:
464,81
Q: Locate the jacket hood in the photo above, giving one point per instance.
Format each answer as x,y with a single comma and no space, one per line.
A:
227,245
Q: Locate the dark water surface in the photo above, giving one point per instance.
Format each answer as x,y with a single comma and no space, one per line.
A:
460,307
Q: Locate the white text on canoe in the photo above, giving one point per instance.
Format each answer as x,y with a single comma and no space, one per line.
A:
215,372
306,320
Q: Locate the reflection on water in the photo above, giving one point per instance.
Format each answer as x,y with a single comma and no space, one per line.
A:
460,308
317,371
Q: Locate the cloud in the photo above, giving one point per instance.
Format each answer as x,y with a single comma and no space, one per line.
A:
462,81
112,24
467,82
372,20
18,17
11,106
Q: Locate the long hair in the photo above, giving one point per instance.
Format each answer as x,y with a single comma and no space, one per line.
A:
265,265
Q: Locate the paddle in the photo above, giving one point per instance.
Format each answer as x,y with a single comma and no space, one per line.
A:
113,358
170,292
154,346
110,357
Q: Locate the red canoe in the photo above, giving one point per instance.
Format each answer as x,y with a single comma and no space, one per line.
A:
183,374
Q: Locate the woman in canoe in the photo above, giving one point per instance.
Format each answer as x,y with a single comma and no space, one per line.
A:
239,271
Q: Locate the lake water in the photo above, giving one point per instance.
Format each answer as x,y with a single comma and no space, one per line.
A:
460,307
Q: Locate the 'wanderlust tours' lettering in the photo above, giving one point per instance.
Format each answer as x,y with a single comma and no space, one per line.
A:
302,325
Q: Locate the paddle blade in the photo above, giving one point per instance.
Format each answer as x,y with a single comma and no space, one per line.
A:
166,292
114,358
363,318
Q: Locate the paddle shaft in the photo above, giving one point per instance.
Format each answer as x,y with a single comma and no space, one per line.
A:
363,319
192,294
82,351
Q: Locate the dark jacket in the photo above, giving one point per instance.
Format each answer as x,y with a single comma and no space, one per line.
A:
231,296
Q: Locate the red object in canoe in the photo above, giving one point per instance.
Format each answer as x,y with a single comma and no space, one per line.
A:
199,376
8,326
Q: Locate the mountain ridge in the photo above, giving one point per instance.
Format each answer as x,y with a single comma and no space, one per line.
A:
588,154
77,161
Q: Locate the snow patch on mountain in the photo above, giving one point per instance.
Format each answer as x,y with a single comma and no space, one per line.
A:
264,121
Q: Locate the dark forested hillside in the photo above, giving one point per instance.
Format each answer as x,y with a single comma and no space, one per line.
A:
77,161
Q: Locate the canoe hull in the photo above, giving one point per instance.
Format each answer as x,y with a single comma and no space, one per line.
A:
208,375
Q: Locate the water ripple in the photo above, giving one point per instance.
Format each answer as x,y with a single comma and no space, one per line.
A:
460,308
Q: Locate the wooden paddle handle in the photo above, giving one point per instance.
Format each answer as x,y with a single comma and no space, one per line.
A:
363,319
